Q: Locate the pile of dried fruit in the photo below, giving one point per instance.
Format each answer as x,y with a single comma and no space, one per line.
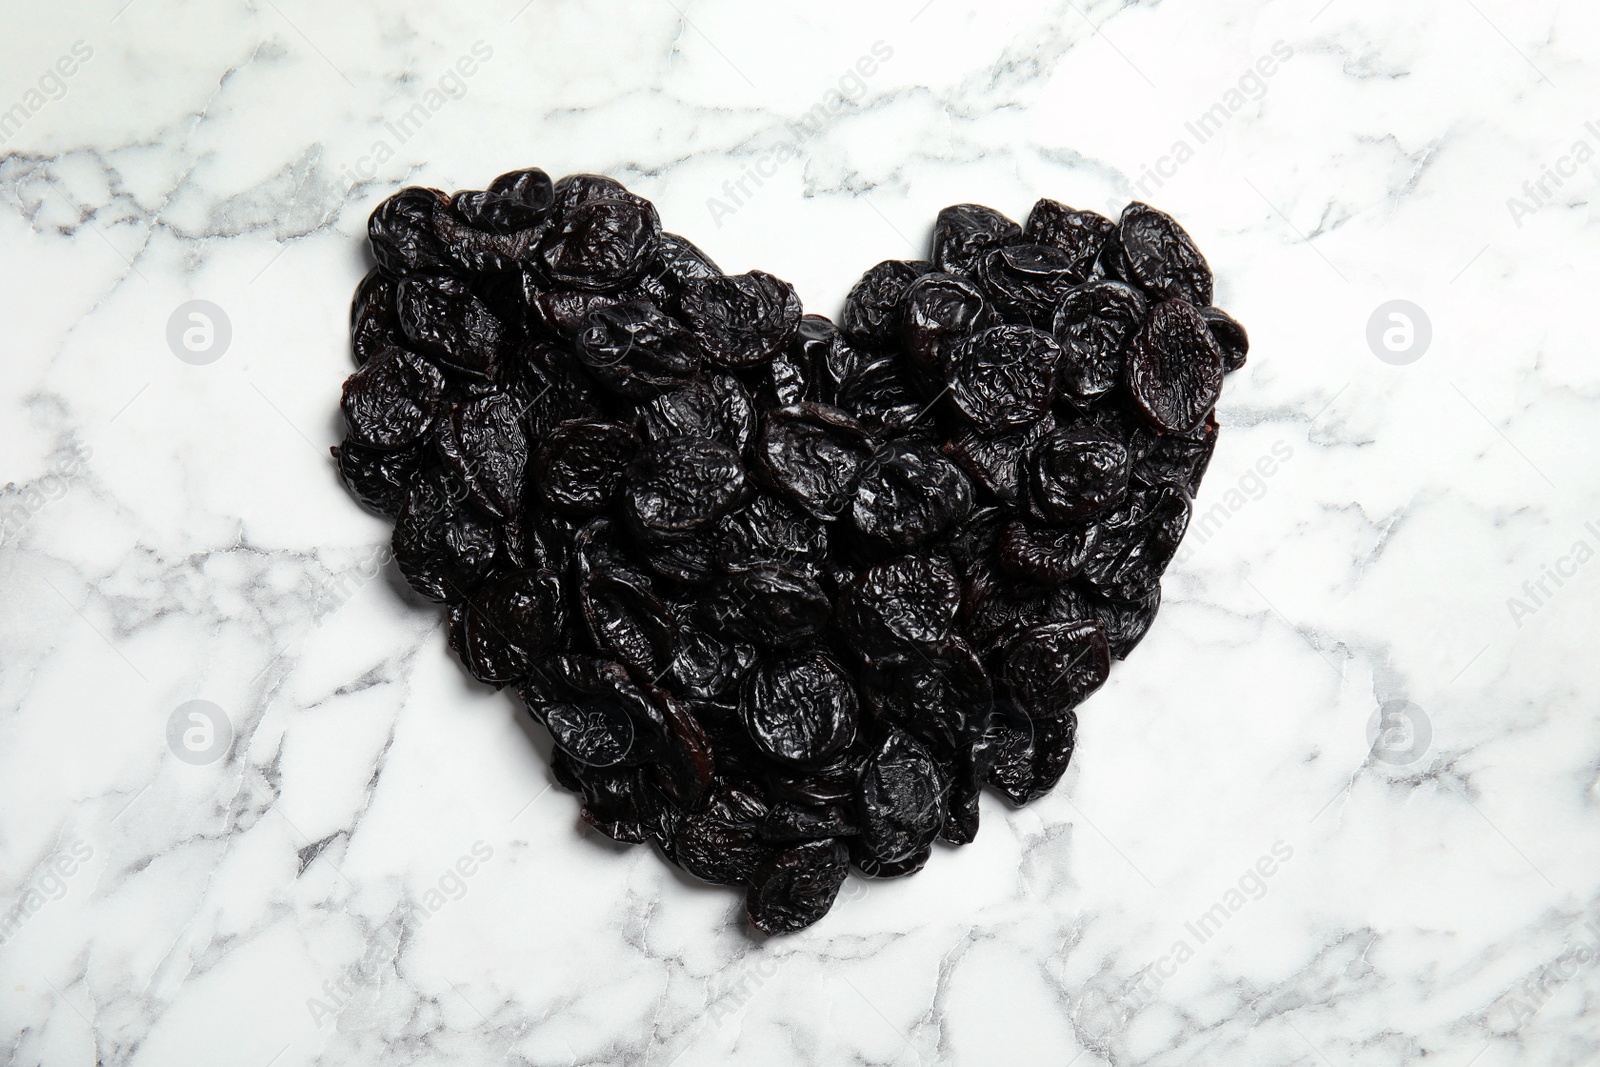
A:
786,594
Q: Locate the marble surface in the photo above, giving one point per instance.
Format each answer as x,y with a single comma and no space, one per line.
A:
1340,807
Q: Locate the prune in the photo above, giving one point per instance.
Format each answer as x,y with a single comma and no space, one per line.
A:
441,317
785,595
681,485
1094,324
715,406
796,887
1081,235
578,467
800,706
902,799
1160,256
964,233
897,607
1077,473
909,494
602,244
742,320
814,454
872,309
1174,368
636,349
1051,669
937,311
1004,377
390,402
513,201
378,478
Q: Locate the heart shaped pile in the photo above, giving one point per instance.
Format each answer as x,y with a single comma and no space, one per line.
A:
786,594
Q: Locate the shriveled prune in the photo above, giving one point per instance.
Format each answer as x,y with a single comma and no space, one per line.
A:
681,485
1161,258
785,595
602,244
742,320
964,233
800,707
1174,368
1004,377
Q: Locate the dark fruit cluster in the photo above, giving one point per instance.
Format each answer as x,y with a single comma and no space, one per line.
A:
786,594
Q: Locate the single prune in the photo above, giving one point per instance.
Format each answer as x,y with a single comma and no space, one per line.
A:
594,731
513,201
963,233
401,231
390,402
1077,473
580,464
771,604
602,244
681,485
715,406
1004,377
909,494
636,349
742,320
1174,368
794,888
628,622
378,478
1161,257
1045,555
484,446
442,548
902,803
1094,324
441,317
1229,335
1079,234
814,455
799,706
896,608
872,309
509,624
374,323
1026,282
1051,669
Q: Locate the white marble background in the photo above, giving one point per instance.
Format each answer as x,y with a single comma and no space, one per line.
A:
172,527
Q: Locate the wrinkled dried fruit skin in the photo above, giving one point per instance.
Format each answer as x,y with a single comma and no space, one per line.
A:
872,309
796,887
1051,669
681,485
601,244
964,233
908,494
1004,377
1081,235
814,455
1094,324
1076,474
1174,368
743,320
800,707
581,463
1161,258
636,349
787,596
